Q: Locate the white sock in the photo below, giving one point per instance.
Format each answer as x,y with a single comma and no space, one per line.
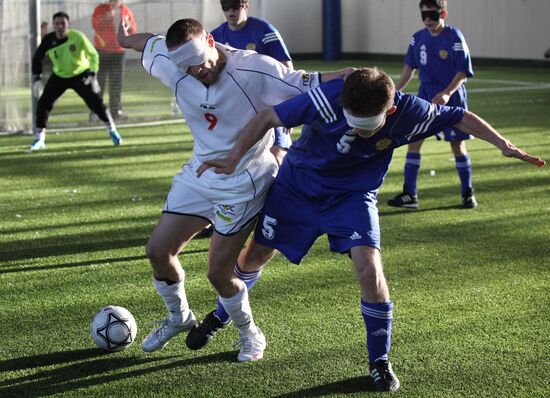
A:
40,133
174,298
110,123
238,308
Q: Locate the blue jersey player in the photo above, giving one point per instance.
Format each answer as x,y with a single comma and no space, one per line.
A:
249,33
330,178
441,55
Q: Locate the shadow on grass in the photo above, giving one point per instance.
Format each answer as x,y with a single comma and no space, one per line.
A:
73,265
73,244
400,211
54,358
88,263
347,386
65,150
93,368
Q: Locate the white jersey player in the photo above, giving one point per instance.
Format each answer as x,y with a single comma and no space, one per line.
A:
215,113
248,83
218,89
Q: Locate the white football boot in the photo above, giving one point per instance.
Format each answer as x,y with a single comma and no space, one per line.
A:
37,144
252,347
159,337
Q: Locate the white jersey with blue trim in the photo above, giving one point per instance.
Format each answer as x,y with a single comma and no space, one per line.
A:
439,58
215,114
338,158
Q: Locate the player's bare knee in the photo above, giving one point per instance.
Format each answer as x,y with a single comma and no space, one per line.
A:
459,148
368,276
218,280
255,260
155,253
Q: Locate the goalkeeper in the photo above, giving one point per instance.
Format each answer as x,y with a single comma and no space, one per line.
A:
74,65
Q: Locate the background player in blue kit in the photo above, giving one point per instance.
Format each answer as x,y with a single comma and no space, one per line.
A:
441,55
329,181
250,33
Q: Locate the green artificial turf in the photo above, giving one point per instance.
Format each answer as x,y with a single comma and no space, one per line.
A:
471,287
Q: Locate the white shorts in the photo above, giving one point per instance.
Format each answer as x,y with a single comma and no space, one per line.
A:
229,202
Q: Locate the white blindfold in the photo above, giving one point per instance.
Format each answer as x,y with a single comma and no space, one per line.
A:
192,53
365,123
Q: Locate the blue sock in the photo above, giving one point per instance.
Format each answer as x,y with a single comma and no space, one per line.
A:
378,318
464,168
412,165
249,279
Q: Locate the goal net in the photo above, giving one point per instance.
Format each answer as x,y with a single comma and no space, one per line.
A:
143,98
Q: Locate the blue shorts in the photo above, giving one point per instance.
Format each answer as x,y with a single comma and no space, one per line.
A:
282,138
299,209
459,98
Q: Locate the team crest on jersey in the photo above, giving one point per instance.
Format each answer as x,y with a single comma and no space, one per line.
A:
443,54
72,48
251,46
306,79
382,144
226,212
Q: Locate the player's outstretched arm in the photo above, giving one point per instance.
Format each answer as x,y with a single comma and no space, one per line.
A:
253,132
136,41
473,124
406,75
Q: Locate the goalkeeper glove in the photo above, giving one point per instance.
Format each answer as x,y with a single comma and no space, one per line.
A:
37,86
90,78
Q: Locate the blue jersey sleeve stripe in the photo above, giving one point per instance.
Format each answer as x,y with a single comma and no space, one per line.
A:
319,108
418,129
326,104
271,40
325,101
322,105
271,37
423,126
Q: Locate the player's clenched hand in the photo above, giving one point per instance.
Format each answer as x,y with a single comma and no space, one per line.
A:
441,98
339,74
127,39
512,151
123,31
346,72
221,166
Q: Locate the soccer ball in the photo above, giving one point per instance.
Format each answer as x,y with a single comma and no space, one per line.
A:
113,328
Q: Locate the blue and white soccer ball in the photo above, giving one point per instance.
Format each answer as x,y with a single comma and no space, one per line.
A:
113,328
